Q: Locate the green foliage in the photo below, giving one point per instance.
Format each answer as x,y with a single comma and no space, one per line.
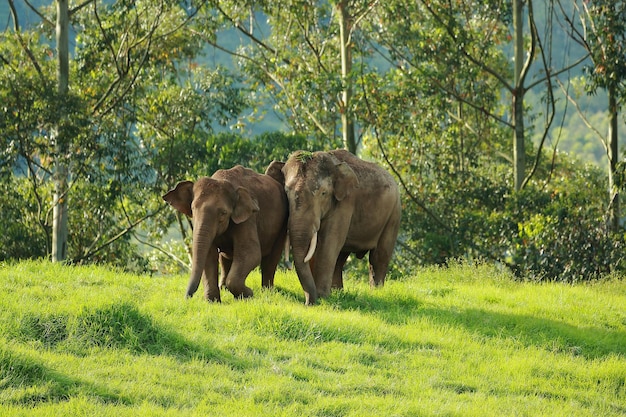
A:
436,121
304,157
606,44
147,108
570,249
567,239
24,226
203,156
94,341
554,229
137,100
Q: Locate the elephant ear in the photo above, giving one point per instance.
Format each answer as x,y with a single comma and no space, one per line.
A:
345,181
244,207
275,170
180,197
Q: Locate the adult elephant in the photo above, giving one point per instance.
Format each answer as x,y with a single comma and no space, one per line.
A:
338,204
239,216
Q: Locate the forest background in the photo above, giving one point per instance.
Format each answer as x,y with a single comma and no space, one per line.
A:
499,119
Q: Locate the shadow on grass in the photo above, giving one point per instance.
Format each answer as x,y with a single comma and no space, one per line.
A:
291,295
401,311
117,326
25,381
590,342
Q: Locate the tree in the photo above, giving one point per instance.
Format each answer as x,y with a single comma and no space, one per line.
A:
602,32
87,137
434,119
519,73
304,57
350,14
60,136
449,102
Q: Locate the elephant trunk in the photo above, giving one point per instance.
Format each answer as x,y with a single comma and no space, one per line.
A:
202,242
304,242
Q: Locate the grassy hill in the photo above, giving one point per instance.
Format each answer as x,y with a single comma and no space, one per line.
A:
461,341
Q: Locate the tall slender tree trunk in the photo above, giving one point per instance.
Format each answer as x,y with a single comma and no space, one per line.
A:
519,152
61,170
347,121
614,206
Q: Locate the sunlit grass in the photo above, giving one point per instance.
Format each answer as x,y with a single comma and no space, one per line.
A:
457,341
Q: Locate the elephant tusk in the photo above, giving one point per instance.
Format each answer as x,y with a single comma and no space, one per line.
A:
312,247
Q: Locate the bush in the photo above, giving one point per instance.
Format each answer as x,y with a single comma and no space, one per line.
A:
25,229
570,246
552,230
560,231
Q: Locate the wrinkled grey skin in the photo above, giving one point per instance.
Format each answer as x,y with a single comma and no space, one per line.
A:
351,205
240,217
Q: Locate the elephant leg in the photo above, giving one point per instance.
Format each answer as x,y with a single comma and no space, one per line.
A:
380,257
209,277
225,265
326,257
246,256
379,264
270,262
236,279
338,274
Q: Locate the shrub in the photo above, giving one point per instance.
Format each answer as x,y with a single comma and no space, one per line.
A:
570,246
24,226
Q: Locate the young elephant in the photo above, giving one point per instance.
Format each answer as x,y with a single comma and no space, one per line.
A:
239,216
338,204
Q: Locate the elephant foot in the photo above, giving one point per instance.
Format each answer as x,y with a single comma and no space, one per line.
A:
245,293
268,283
325,293
337,286
213,298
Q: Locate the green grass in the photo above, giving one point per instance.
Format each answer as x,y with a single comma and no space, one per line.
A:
460,341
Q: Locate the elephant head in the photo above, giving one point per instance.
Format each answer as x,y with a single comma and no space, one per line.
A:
316,183
212,204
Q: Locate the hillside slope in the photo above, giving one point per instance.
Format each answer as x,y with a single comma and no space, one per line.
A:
462,341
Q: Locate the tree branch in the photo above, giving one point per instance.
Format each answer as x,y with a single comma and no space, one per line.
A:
120,234
416,200
465,53
41,16
79,7
247,33
141,62
435,81
24,46
550,102
169,254
583,117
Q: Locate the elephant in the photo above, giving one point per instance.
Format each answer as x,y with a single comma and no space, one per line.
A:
238,216
338,204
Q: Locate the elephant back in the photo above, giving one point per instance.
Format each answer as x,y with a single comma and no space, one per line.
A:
375,178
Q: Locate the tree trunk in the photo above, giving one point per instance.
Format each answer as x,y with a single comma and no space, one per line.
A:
61,172
519,152
347,121
614,206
